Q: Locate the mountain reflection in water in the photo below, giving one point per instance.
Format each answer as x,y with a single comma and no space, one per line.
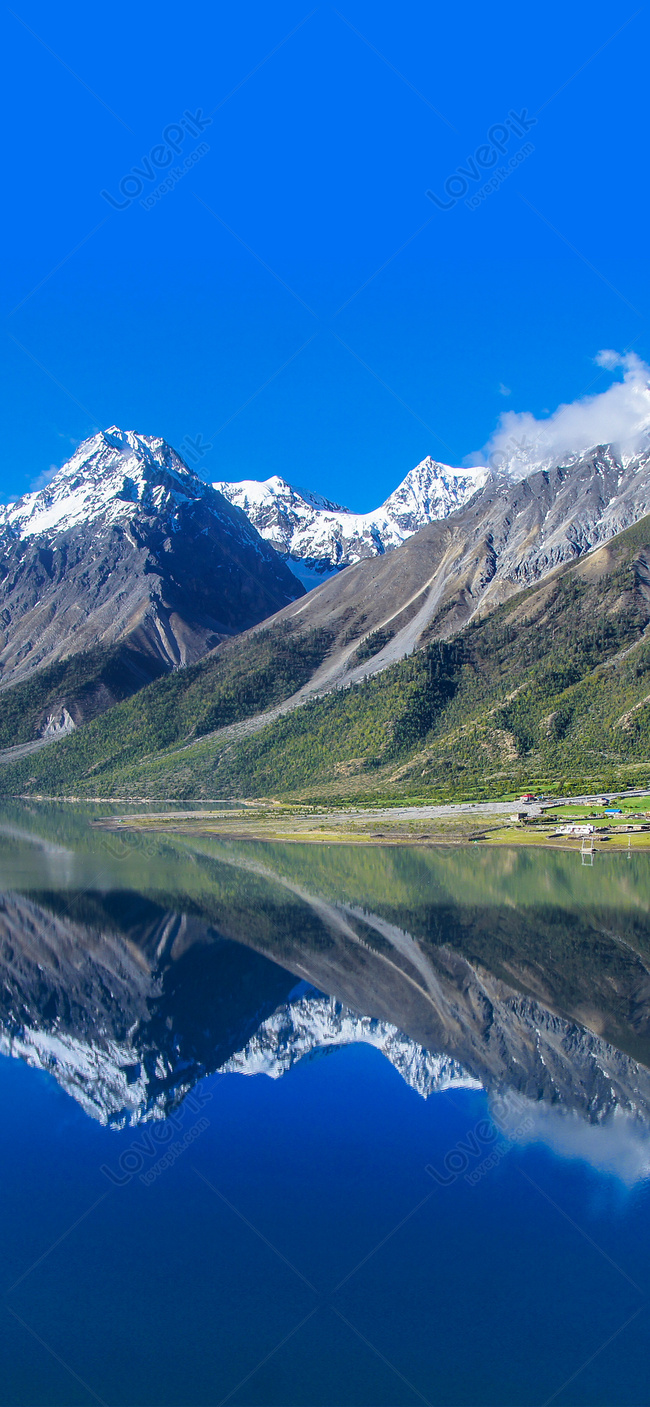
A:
130,972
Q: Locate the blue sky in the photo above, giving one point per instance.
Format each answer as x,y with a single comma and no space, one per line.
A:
296,300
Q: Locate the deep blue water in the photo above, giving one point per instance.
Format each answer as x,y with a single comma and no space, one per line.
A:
297,1251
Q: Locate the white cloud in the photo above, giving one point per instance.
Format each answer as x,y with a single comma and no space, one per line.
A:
619,416
504,390
619,1147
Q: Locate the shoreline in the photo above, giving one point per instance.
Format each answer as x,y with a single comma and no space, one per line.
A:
333,829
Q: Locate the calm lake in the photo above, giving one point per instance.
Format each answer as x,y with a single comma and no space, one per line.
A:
288,1124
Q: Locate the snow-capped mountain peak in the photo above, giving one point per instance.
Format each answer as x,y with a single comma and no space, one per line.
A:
127,548
318,537
107,475
430,491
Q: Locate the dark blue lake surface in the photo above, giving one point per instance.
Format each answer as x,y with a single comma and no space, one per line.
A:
303,1126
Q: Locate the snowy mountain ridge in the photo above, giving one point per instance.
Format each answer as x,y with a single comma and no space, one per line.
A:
112,1085
315,1025
116,471
318,537
108,475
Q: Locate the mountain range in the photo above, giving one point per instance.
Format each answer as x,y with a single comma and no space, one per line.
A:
318,538
128,566
509,535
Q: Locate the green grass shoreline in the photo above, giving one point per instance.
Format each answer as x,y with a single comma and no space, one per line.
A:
398,826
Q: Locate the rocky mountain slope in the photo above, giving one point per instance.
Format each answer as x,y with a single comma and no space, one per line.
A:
317,538
127,551
551,686
447,577
481,697
510,535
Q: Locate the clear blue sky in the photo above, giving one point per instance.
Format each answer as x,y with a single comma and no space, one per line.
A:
327,130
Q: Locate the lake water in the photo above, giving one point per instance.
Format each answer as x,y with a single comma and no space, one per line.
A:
314,1125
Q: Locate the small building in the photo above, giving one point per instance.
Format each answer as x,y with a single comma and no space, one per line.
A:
575,829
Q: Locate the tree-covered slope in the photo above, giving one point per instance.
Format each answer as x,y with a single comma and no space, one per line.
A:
224,688
554,684
83,685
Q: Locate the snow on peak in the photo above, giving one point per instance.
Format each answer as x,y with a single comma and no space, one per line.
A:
431,491
319,537
276,499
316,1024
99,1073
106,476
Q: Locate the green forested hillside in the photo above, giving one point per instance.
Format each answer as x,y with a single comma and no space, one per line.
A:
219,690
86,684
552,686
